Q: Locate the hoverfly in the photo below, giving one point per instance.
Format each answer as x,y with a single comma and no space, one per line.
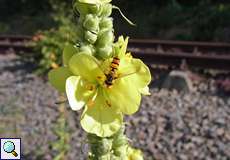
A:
112,74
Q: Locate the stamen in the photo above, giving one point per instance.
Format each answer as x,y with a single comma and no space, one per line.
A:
107,102
90,103
99,77
90,87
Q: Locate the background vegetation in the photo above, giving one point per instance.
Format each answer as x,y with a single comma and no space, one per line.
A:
54,23
206,20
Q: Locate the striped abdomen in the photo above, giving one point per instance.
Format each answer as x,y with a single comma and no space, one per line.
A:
112,73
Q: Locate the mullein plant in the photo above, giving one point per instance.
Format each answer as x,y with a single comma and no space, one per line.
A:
101,78
61,130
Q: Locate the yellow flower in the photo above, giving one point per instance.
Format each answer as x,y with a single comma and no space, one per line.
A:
89,83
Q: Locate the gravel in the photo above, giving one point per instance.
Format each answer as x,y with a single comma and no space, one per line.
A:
169,125
172,125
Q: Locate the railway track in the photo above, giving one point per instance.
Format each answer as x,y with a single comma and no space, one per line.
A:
171,53
14,43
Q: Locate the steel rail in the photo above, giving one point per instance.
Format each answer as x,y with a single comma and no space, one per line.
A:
15,37
172,53
176,59
183,46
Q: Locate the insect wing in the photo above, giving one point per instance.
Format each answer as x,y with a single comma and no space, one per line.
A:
125,75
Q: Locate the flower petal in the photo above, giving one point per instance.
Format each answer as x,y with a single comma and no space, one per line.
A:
78,92
141,76
85,66
101,118
57,77
145,91
135,154
68,52
124,96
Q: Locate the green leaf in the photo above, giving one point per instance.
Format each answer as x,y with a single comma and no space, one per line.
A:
85,66
57,77
68,52
100,118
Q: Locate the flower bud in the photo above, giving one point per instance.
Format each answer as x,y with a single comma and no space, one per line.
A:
91,23
120,141
90,37
98,145
105,157
105,37
81,8
95,9
106,10
121,151
106,23
104,146
105,52
113,157
87,49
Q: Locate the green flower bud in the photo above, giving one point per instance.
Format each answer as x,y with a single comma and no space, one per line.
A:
81,8
99,146
91,23
90,37
95,9
105,157
104,146
106,10
105,52
105,37
87,49
113,157
120,141
121,151
106,23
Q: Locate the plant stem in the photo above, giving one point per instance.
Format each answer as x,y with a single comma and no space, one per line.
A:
115,147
